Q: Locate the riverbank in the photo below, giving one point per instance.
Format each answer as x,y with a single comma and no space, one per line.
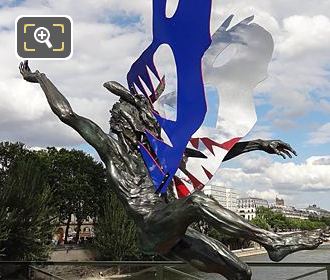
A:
259,251
249,252
248,255
87,255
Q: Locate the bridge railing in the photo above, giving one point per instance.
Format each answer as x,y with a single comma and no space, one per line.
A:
161,269
320,268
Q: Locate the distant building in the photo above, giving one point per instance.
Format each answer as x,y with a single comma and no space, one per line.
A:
232,196
247,206
86,230
291,212
227,197
315,211
279,201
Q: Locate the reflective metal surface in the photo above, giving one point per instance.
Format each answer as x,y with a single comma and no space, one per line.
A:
163,222
235,63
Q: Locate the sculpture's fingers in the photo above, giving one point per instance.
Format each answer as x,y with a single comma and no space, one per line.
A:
293,151
278,152
287,153
26,65
20,67
289,148
282,155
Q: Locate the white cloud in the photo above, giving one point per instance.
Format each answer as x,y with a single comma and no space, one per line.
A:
102,52
323,160
258,173
303,34
110,34
269,195
106,45
300,177
254,164
260,132
321,135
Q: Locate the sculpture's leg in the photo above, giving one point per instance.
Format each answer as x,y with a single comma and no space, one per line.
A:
168,224
210,255
232,224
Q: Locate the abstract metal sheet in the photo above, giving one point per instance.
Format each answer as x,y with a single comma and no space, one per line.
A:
187,34
243,53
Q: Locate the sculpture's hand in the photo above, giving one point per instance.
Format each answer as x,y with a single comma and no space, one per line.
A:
278,147
26,72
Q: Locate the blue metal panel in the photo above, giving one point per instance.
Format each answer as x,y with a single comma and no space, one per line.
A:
188,35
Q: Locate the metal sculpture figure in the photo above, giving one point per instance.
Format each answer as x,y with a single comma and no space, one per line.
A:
163,226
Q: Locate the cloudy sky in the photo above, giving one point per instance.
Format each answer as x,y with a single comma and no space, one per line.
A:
293,104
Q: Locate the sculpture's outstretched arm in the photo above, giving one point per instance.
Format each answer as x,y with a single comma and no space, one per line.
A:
269,146
90,131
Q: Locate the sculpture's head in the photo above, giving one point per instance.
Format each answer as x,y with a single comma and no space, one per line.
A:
138,116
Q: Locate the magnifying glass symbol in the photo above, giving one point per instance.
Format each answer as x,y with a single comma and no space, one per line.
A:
41,35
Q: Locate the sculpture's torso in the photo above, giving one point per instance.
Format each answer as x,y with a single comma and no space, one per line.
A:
134,185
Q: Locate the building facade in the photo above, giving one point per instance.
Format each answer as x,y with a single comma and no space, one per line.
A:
315,211
291,212
279,201
247,206
86,230
227,197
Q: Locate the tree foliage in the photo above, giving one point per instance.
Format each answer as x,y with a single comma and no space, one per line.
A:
78,182
325,220
9,153
26,212
115,232
4,230
266,219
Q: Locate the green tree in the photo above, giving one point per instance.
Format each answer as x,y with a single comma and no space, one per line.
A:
9,153
78,182
4,230
276,220
266,218
26,212
115,233
261,222
325,220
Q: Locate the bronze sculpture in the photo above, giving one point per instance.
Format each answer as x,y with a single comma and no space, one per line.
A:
163,226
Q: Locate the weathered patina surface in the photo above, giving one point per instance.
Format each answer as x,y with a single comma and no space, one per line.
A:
163,225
